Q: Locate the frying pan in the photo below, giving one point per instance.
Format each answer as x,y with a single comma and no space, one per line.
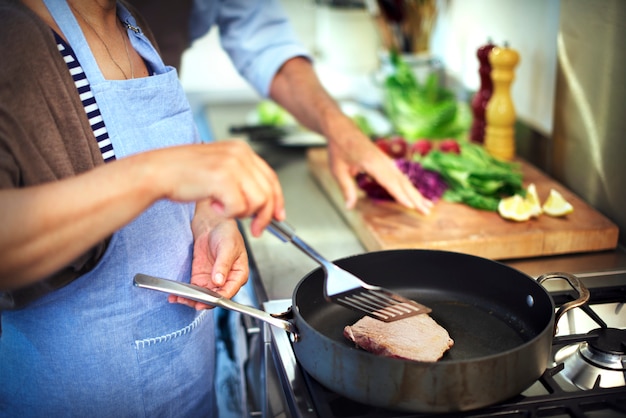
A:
502,322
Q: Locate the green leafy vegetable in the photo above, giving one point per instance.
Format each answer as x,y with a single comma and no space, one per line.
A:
422,110
474,177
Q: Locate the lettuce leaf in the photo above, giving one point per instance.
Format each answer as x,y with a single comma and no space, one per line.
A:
425,110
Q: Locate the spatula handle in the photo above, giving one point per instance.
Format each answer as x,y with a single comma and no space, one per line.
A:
286,233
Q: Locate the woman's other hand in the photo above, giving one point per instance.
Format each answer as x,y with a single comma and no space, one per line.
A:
220,261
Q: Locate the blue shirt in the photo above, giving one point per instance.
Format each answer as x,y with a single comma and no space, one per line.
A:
257,36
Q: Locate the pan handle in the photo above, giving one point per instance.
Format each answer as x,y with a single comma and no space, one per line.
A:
200,294
583,293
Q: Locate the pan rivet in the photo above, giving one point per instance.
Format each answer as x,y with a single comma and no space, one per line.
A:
530,301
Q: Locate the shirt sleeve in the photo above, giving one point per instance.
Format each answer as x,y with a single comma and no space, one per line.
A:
256,35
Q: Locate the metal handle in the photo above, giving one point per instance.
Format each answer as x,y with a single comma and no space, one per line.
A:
286,233
583,293
203,295
281,230
341,281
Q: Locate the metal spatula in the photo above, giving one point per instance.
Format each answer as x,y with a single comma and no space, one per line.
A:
346,289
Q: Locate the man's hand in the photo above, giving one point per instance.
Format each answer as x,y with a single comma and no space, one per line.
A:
297,88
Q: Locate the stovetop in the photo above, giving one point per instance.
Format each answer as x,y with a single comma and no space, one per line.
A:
553,395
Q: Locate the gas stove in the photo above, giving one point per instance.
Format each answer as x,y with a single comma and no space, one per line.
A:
585,377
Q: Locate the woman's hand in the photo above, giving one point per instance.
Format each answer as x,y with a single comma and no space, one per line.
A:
41,232
220,261
229,174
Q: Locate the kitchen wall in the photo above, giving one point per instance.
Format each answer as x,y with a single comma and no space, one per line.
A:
530,27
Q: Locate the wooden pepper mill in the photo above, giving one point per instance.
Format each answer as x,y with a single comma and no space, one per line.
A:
500,111
482,96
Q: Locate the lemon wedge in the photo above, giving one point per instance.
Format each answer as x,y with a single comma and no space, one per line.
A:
533,199
556,205
515,208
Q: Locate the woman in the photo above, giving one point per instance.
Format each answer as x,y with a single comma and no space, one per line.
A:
100,167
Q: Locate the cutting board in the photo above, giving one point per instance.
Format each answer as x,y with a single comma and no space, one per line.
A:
457,227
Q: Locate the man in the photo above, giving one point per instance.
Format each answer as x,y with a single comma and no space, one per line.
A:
263,47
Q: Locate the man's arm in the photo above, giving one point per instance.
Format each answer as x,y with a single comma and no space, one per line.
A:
297,88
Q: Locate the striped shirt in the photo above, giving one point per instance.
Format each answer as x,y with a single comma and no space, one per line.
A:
89,101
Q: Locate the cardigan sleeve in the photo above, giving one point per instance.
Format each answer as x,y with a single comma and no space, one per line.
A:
44,133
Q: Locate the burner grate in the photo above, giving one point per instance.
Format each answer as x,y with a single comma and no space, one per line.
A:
557,403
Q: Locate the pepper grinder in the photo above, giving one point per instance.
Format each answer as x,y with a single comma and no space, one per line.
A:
500,111
481,98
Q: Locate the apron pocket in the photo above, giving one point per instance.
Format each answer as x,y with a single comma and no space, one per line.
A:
177,369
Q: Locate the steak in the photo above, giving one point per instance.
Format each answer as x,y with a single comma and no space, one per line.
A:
417,337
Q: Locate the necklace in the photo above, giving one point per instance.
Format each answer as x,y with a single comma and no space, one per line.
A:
130,62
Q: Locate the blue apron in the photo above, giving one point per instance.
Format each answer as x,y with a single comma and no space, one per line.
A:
101,347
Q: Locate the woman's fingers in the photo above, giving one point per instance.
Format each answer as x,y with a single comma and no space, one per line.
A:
230,174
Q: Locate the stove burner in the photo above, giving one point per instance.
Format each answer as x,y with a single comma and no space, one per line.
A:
609,340
598,362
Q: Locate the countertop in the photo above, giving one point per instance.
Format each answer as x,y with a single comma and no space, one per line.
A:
280,266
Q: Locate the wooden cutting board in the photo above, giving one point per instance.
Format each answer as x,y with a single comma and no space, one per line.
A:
457,227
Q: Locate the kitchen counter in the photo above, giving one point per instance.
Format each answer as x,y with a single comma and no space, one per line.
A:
280,266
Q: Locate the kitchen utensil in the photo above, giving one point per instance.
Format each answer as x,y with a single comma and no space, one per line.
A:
203,295
288,135
406,25
502,322
394,13
347,290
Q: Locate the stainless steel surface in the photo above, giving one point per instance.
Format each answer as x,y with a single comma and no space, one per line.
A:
345,289
585,363
203,295
589,124
279,351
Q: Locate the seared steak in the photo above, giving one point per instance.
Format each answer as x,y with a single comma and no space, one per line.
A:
417,337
